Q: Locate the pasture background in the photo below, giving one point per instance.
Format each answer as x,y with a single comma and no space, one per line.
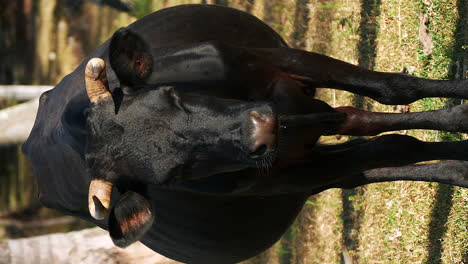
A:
402,222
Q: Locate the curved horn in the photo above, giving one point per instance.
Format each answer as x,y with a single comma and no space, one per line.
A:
99,197
96,80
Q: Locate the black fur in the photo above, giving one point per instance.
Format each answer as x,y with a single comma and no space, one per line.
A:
156,134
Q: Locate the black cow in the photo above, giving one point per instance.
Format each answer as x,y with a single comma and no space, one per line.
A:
204,126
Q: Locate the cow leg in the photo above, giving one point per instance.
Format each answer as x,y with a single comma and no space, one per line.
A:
387,88
365,123
299,132
453,172
356,122
339,165
387,151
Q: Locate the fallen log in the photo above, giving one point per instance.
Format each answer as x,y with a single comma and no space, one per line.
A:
11,222
88,246
22,92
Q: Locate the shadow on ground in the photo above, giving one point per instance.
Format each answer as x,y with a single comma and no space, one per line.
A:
367,45
437,227
441,210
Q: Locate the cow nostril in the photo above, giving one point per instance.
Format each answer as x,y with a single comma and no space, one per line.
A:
263,133
259,151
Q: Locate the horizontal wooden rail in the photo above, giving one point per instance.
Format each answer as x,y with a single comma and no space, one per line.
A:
17,121
22,92
88,246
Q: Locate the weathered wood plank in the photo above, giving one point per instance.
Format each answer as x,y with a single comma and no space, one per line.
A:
23,92
88,246
17,121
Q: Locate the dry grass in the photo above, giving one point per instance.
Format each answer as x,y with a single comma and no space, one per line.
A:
319,230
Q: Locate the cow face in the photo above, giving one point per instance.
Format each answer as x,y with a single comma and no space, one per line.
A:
158,135
154,135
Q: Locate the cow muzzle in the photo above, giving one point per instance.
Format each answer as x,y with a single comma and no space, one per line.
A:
263,134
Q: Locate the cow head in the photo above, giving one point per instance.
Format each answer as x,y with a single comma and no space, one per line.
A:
156,135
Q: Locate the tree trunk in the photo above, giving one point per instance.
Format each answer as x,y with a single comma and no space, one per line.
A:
88,246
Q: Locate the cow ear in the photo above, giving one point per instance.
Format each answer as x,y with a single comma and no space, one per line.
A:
130,218
130,57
